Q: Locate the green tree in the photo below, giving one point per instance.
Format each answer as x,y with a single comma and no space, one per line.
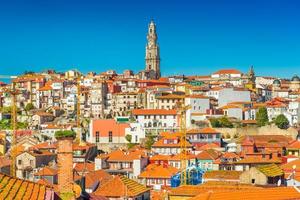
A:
128,138
29,107
262,117
6,109
281,121
215,123
224,121
149,141
5,124
65,133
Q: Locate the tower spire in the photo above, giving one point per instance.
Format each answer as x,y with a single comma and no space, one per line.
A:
152,52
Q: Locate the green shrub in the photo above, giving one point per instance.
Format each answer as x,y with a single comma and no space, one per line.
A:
262,117
281,122
65,133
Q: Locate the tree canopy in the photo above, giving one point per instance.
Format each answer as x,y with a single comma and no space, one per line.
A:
262,117
222,122
65,133
281,122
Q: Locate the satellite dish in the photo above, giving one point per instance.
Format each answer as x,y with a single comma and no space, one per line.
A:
279,182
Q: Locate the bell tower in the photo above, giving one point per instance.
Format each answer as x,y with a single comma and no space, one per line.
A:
152,52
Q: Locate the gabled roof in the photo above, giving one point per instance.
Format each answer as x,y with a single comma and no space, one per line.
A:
120,186
84,167
222,174
228,71
91,178
153,112
289,166
160,143
158,171
208,155
206,130
277,193
171,96
294,145
4,161
229,155
271,170
46,171
14,188
209,146
129,156
254,160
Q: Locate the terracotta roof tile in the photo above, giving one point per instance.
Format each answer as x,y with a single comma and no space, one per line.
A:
91,178
278,193
294,145
121,186
171,96
153,112
227,71
13,188
222,174
46,171
158,171
206,130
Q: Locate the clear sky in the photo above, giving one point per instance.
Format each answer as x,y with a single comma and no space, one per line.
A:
195,37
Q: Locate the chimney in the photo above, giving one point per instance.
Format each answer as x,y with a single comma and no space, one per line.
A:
65,164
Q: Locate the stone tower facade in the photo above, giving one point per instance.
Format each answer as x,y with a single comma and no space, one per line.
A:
65,165
152,52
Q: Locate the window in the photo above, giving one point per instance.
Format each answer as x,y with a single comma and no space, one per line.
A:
19,162
253,181
97,136
110,138
136,138
31,163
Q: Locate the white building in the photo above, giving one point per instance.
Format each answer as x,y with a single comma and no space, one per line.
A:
199,104
229,95
156,120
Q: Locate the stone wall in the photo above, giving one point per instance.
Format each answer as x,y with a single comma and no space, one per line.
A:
253,175
252,130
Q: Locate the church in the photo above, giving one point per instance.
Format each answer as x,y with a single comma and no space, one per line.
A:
152,58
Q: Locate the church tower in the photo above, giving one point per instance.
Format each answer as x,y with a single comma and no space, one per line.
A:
152,52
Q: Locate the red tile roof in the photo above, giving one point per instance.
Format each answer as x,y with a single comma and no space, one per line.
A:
171,96
128,156
222,175
208,155
278,193
91,178
158,171
84,167
46,171
206,130
153,112
209,146
294,145
4,161
227,71
104,126
119,187
160,143
13,188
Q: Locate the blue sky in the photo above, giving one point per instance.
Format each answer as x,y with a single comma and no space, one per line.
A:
195,36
